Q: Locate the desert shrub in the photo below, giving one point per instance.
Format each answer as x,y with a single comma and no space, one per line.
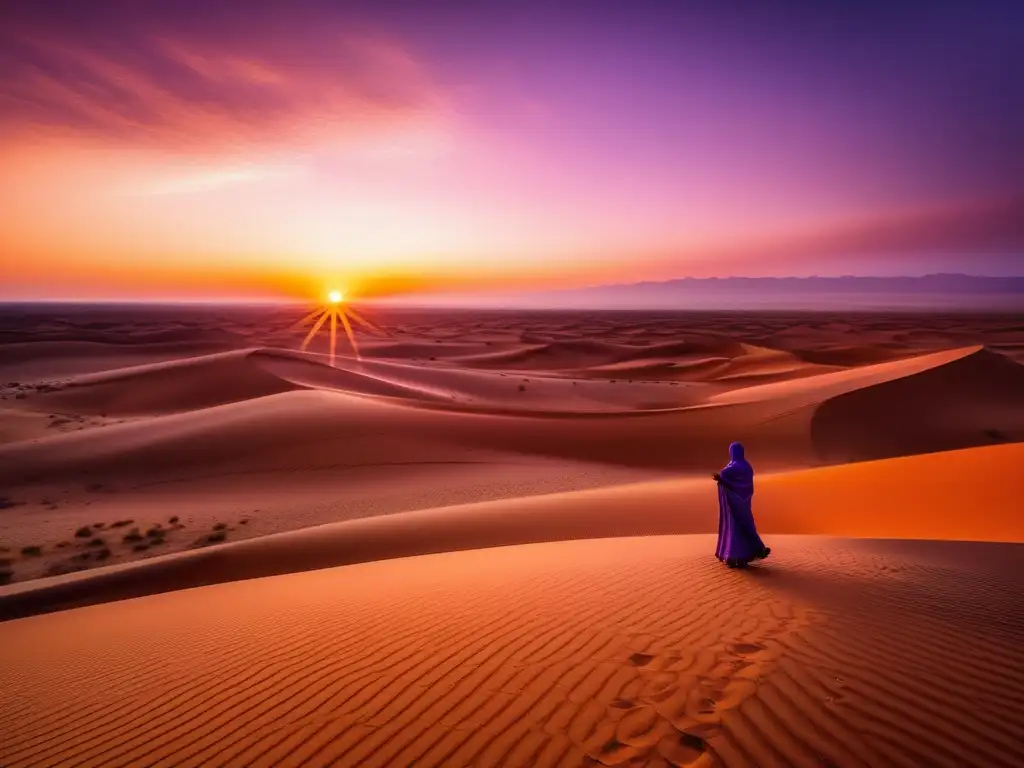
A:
32,551
59,569
62,544
141,547
132,535
211,538
156,532
244,521
220,526
173,520
101,554
121,523
84,532
97,542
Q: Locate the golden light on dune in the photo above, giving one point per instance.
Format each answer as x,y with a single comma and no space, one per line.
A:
336,310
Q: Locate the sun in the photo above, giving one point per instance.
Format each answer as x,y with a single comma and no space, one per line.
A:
337,308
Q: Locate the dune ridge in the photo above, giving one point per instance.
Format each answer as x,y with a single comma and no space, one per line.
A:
603,652
485,542
784,421
871,500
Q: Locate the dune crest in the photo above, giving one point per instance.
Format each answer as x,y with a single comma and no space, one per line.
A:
488,540
877,499
611,652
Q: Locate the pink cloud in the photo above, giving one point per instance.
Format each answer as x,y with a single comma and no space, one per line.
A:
212,95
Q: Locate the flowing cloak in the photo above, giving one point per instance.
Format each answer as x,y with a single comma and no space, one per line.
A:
737,534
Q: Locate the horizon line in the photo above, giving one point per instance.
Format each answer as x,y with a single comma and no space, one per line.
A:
286,301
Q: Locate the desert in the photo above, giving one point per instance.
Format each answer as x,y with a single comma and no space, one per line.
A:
487,539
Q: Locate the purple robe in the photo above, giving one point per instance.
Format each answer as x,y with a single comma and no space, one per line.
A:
737,534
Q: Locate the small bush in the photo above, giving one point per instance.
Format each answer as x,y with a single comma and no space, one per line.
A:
132,535
173,520
98,525
62,544
220,526
32,551
101,554
244,521
60,569
142,547
156,532
84,532
121,523
97,542
210,538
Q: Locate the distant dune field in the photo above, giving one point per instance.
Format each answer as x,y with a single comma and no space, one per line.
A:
486,541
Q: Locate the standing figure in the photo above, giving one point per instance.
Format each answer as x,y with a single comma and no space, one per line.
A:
738,542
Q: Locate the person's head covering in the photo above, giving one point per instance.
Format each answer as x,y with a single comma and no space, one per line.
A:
736,453
738,473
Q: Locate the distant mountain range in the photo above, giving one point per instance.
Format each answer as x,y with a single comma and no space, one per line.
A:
938,291
938,283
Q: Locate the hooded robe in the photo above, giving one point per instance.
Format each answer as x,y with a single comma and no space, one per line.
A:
737,534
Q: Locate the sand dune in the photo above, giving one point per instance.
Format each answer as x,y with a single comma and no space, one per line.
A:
167,387
611,652
47,360
871,499
933,409
952,399
485,542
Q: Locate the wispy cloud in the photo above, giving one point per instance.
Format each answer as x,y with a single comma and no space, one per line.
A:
181,91
210,179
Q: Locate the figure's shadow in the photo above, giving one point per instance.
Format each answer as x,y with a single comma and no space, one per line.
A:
983,599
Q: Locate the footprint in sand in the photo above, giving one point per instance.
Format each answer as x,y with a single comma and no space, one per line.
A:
745,649
643,728
641,659
683,749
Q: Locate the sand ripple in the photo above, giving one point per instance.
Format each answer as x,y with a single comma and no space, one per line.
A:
608,652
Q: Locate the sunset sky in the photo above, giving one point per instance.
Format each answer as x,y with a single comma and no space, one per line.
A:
209,149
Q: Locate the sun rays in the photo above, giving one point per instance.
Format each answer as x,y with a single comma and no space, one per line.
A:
337,309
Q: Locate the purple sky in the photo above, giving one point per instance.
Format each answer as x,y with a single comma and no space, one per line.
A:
194,144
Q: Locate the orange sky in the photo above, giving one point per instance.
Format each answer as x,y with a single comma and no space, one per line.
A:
161,151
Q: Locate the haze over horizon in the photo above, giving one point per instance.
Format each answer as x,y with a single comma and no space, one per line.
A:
160,149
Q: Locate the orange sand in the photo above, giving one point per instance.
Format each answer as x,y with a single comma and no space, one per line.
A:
641,651
467,548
